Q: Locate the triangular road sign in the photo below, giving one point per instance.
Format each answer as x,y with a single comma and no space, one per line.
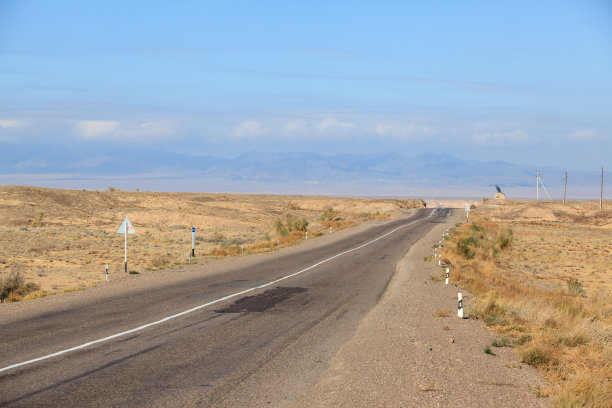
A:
126,224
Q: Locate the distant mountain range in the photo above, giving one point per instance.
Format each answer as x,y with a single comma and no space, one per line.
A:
390,174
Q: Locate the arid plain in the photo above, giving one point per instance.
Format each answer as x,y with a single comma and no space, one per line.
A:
61,240
540,276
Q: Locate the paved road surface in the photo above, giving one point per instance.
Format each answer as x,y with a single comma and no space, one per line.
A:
267,346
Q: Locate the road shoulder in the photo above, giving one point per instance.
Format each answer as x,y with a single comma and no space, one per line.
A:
402,355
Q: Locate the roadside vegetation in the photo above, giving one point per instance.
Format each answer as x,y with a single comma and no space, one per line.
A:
13,286
288,232
560,329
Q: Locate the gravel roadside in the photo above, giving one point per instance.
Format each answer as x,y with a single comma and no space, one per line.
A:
402,355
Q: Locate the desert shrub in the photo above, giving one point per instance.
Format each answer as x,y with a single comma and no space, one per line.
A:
535,356
573,340
13,287
218,236
38,222
503,341
505,239
294,206
574,287
300,225
329,214
111,188
281,229
464,247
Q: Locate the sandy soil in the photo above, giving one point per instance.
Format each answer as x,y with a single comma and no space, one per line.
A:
555,242
62,239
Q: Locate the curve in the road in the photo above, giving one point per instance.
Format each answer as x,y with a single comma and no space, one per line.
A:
224,298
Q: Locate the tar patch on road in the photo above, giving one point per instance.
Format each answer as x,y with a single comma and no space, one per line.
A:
443,212
263,301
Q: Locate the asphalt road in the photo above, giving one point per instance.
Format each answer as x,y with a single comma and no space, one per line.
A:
265,346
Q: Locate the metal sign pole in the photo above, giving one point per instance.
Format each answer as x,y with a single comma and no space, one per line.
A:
126,248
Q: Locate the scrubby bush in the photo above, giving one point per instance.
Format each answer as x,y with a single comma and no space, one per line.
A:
13,287
329,214
281,229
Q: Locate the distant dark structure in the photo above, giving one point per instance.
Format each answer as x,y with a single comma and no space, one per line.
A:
499,195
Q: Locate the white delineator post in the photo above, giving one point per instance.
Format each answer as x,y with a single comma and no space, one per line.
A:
440,260
106,271
330,230
306,234
193,241
460,305
447,276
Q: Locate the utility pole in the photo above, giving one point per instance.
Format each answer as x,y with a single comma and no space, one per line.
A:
565,191
601,194
537,186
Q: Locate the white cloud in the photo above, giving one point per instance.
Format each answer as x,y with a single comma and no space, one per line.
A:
146,131
10,123
333,123
90,162
382,130
299,125
585,135
516,135
30,163
96,129
248,128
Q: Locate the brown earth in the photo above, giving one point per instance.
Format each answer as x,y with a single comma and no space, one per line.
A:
540,273
62,239
556,242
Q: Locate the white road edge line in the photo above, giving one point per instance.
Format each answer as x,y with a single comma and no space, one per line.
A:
174,316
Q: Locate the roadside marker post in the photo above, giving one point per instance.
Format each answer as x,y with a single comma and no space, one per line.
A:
440,261
306,234
467,212
190,257
243,250
126,228
330,230
278,244
192,242
447,276
106,271
460,305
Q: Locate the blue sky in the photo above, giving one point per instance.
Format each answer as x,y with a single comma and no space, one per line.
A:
523,81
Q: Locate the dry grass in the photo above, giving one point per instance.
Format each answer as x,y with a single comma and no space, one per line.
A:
431,386
61,239
540,279
441,313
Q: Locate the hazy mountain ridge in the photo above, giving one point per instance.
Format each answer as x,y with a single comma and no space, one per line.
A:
298,169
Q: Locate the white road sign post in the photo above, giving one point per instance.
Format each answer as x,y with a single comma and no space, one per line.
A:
126,228
467,213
